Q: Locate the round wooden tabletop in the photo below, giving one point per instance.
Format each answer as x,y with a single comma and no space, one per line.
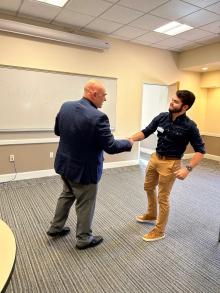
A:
7,254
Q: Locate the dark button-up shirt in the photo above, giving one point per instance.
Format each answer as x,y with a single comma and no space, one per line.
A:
174,136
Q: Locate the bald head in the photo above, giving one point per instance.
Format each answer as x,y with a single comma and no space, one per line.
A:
94,91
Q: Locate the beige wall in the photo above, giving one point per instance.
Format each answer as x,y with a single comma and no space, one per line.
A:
213,111
212,144
197,58
210,79
30,157
198,110
35,157
132,64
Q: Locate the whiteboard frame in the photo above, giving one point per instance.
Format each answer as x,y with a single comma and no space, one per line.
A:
7,130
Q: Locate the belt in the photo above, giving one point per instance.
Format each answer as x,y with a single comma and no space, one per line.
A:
161,157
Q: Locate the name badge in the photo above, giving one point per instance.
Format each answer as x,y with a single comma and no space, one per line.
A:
160,129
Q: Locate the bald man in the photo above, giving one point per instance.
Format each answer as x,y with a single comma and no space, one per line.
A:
84,134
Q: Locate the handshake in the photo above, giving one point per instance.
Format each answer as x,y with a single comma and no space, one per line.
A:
136,137
131,140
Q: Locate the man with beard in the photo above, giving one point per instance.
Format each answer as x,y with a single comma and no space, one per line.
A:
174,130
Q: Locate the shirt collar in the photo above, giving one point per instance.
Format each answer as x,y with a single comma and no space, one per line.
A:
88,101
181,117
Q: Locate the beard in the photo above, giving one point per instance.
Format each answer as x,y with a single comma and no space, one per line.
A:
176,110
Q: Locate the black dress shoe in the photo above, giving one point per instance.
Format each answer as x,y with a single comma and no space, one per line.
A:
95,241
63,232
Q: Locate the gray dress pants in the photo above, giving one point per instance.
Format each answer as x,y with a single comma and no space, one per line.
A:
85,196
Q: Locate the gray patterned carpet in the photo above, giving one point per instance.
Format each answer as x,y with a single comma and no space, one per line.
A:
187,260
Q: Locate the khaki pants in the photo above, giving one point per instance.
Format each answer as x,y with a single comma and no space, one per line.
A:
160,172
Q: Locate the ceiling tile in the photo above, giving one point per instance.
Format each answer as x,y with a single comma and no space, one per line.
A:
112,1
38,10
214,8
149,22
175,49
129,32
152,37
174,9
132,20
201,3
102,25
200,18
214,38
172,42
160,46
94,8
155,45
180,46
119,37
73,18
142,5
193,34
146,43
11,6
191,46
121,14
213,27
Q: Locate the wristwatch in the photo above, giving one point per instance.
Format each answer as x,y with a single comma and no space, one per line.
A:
189,168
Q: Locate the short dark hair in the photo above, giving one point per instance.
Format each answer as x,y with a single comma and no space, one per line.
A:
186,97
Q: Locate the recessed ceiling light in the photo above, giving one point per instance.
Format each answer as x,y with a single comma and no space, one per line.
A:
173,28
205,68
59,3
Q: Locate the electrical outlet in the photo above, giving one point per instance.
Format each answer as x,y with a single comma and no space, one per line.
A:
51,155
11,158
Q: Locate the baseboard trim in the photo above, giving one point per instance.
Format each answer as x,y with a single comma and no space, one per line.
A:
27,175
120,164
150,151
186,156
212,157
147,151
51,172
206,156
210,134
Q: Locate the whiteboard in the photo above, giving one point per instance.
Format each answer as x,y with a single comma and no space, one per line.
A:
30,99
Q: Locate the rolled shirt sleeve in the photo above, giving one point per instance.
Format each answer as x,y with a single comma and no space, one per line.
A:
196,140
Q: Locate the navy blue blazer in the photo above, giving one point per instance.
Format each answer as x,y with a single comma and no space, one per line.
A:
84,134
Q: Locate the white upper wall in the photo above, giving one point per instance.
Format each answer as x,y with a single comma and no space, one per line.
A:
132,64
